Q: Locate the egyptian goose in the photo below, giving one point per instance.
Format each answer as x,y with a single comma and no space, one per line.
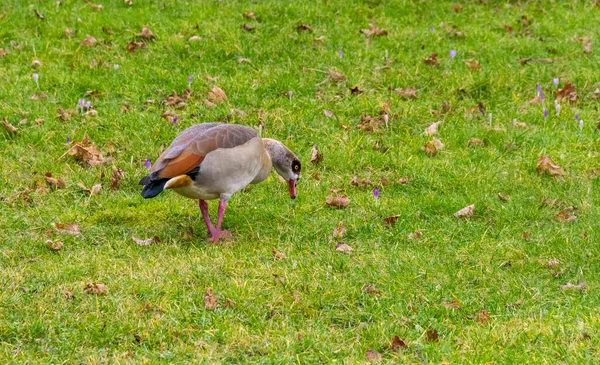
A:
213,161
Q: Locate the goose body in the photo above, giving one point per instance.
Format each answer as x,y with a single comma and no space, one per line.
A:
213,161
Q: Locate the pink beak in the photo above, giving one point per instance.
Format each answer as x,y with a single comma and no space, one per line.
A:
292,187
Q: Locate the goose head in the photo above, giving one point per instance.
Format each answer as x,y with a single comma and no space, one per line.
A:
285,162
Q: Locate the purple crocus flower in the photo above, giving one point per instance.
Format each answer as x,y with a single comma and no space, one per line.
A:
576,117
452,53
541,96
69,140
290,94
555,81
190,79
539,90
35,78
174,120
545,113
148,164
88,104
340,53
376,193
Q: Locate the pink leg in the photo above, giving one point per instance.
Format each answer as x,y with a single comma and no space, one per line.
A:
204,209
218,234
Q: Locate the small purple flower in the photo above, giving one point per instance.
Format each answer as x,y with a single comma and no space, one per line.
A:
290,94
376,193
88,104
555,81
148,164
190,80
545,113
576,117
35,78
116,66
452,53
174,120
81,102
69,140
542,96
340,53
431,28
539,90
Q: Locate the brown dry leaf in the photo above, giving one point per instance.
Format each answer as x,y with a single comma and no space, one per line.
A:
247,27
568,286
432,129
595,96
465,212
453,304
338,201
87,152
518,124
36,64
482,317
38,14
249,15
278,255
9,127
54,246
342,247
229,303
370,288
194,38
328,114
390,221
432,60
210,299
37,96
65,115
339,231
115,180
68,228
134,46
59,183
216,95
553,264
320,38
95,189
431,148
360,182
567,93
415,235
208,104
472,64
316,155
409,92
146,33
546,166
374,356
398,344
303,27
95,288
97,7
4,52
244,60
374,31
336,76
567,215
69,33
369,124
431,335
89,41
475,142
503,197
587,43
146,242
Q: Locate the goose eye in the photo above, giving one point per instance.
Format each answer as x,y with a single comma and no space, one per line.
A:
296,166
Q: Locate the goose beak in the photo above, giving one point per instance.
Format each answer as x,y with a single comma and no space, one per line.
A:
292,187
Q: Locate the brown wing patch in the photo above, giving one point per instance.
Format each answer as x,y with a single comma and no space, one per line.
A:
181,165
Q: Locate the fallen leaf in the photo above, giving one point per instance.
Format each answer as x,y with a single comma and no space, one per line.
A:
68,294
472,64
432,129
65,115
342,247
519,124
68,228
249,15
409,92
390,221
303,27
146,242
526,235
36,64
37,96
360,182
339,231
316,155
95,288
97,7
338,201
595,96
146,33
369,288
553,264
4,52
415,235
482,317
134,46
568,286
59,183
115,180
453,304
89,41
320,38
374,31
546,166
229,303
244,60
194,38
369,124
567,93
247,27
87,152
567,215
336,76
432,60
209,104
465,212
475,142
278,255
210,299
38,14
431,148
374,356
355,90
431,335
328,114
403,180
503,197
587,43
9,127
54,246
216,95
398,344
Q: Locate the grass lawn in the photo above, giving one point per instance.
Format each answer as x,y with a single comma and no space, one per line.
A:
487,288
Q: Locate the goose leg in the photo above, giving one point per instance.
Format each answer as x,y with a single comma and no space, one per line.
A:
204,209
218,234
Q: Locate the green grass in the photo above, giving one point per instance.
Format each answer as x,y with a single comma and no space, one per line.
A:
154,309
